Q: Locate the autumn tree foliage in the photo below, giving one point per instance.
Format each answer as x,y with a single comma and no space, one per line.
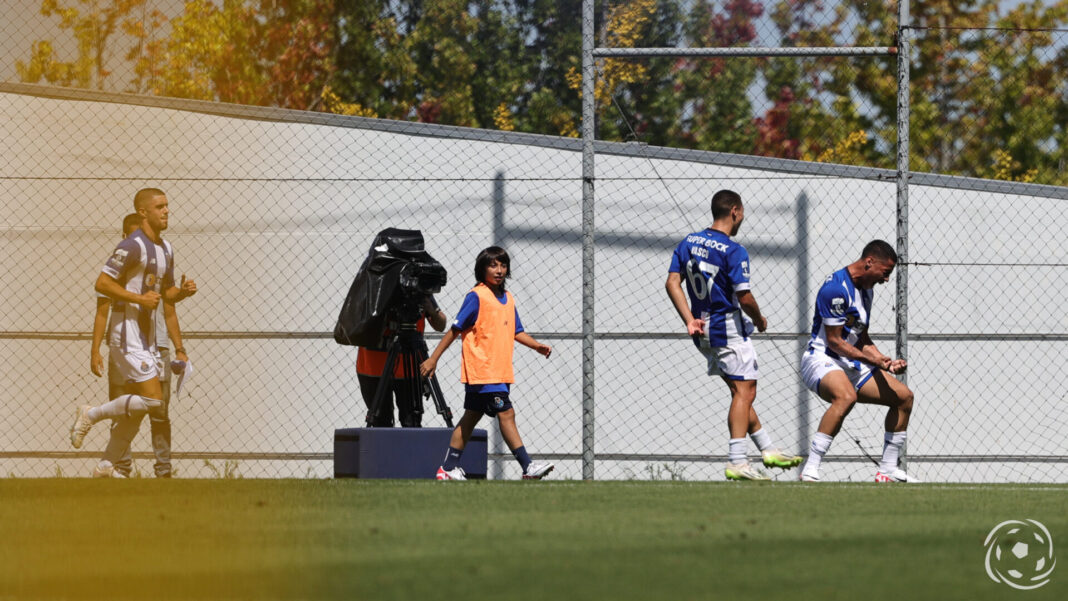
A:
987,83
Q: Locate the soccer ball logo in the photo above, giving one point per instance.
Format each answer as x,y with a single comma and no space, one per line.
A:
1020,554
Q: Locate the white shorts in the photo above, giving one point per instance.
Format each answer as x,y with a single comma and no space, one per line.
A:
735,362
816,365
134,366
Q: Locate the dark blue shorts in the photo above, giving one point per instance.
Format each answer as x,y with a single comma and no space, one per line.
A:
490,403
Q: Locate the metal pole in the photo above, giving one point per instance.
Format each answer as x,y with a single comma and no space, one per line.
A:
903,89
745,51
589,78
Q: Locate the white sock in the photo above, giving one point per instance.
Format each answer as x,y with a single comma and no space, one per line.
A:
736,452
821,443
762,439
892,443
121,406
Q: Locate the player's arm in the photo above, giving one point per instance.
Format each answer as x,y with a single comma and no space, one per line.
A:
748,303
100,324
673,285
111,288
528,341
426,369
738,276
866,353
182,291
174,332
894,366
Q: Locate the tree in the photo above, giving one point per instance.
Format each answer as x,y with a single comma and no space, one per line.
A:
92,27
270,53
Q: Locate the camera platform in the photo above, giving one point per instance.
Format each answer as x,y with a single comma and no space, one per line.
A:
403,452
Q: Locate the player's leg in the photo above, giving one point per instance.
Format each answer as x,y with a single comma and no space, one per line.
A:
532,470
450,469
160,424
737,365
124,465
141,398
823,376
140,373
883,389
770,453
743,392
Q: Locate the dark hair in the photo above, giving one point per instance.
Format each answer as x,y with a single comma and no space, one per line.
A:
144,195
723,201
489,255
879,249
131,222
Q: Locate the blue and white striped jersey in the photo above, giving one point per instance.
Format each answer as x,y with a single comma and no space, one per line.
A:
139,265
715,269
840,303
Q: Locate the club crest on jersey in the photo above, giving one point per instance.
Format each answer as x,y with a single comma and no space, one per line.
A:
150,280
118,259
144,367
498,402
838,306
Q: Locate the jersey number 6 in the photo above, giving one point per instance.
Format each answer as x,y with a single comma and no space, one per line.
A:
696,272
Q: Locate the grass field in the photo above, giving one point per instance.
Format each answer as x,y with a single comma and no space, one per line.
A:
352,539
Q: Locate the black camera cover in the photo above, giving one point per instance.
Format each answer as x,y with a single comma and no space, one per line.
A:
373,293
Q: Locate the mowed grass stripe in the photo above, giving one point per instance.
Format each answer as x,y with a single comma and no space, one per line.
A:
325,539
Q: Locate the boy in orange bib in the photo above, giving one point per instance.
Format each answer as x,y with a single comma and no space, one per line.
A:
488,323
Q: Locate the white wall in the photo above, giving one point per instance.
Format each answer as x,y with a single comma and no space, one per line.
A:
272,219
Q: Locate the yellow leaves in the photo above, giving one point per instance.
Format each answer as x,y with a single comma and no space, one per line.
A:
503,118
847,151
332,103
626,24
1005,168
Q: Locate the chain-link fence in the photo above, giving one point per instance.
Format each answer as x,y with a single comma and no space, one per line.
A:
273,211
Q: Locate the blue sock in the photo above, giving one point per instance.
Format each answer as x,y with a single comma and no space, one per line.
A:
522,457
452,458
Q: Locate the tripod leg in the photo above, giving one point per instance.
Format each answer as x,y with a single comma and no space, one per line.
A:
409,399
435,389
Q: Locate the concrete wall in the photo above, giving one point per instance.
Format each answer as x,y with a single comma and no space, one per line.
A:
273,215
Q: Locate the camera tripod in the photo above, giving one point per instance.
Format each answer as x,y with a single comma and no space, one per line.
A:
407,345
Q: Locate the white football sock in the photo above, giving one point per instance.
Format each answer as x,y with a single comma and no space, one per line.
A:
821,443
736,452
762,439
121,406
892,443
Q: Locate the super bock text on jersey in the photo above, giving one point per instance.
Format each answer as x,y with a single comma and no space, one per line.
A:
715,269
139,265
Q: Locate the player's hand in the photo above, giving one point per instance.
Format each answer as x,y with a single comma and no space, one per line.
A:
695,326
96,364
187,288
149,300
426,368
898,366
762,324
544,349
181,356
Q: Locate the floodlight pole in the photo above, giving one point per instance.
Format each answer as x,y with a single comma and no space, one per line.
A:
589,79
903,87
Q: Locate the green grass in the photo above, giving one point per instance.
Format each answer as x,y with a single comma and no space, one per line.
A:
294,539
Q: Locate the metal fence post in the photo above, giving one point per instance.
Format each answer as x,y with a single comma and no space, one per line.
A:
903,90
589,76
